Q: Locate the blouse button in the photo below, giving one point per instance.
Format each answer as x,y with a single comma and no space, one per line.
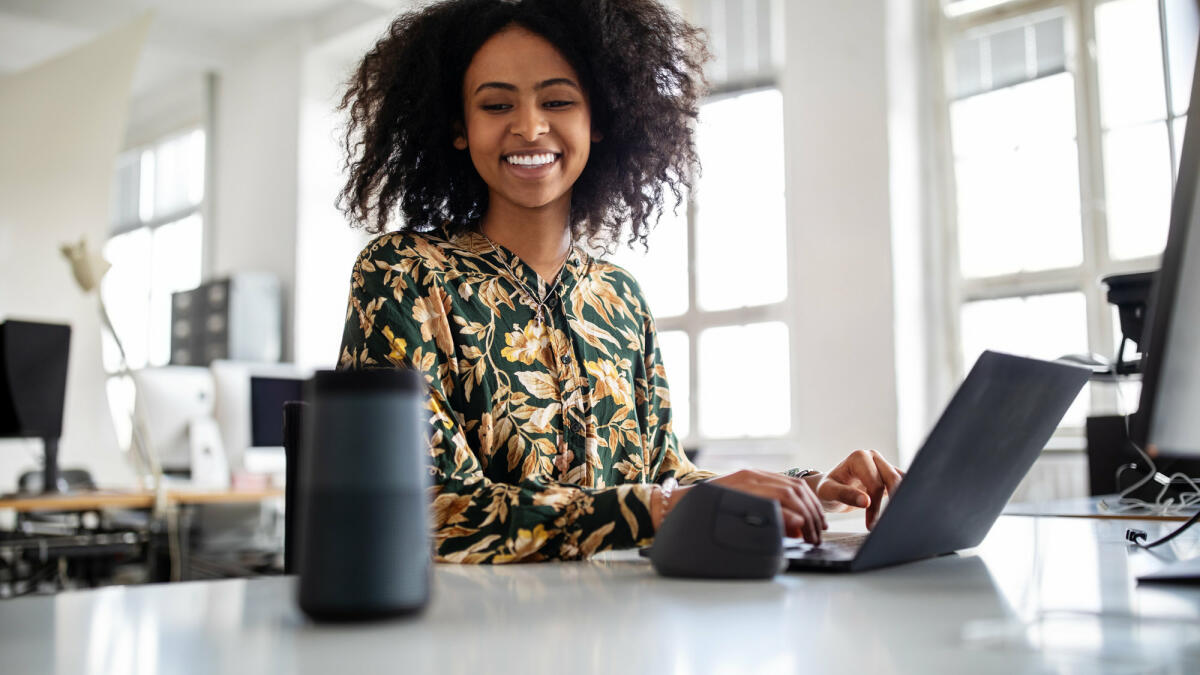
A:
566,359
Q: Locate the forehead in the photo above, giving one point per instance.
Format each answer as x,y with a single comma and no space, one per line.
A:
516,56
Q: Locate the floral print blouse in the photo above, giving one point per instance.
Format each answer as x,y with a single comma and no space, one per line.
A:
546,437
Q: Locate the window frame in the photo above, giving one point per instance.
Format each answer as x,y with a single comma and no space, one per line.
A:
119,227
695,321
957,19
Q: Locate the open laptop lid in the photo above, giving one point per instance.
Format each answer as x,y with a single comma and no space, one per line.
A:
985,442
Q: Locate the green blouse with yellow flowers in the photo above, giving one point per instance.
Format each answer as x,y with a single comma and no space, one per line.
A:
546,436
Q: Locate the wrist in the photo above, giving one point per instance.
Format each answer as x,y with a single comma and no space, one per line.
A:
664,499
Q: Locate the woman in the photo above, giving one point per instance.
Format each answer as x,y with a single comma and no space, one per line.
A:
509,133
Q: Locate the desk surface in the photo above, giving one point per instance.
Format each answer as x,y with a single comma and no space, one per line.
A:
1040,595
133,499
1107,506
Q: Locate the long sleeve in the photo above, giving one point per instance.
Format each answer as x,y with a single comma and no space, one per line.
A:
654,401
400,314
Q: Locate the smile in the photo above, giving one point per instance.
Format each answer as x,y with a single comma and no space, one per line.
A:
540,159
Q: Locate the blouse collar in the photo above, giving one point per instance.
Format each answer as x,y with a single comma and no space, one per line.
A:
577,265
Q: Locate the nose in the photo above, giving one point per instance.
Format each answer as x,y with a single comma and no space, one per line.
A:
530,123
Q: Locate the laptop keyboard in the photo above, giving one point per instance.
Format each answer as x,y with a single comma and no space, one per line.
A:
837,545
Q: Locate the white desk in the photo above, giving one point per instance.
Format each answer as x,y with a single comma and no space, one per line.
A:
1041,595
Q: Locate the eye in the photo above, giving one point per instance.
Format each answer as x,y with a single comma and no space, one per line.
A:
558,104
495,107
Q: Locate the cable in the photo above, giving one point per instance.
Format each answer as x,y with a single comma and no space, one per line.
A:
1136,536
1162,504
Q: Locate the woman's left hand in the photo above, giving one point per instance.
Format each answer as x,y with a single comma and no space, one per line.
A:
859,481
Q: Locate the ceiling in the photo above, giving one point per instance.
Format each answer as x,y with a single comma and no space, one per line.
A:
187,36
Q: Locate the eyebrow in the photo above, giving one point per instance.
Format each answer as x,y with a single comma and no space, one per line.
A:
537,87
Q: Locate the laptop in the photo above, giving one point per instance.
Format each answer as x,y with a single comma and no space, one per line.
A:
985,442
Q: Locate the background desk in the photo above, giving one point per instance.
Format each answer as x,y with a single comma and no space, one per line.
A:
134,499
127,539
1041,594
1094,507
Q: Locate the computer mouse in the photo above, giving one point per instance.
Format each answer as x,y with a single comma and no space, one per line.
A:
715,532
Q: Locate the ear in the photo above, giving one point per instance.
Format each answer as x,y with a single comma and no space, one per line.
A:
597,135
460,136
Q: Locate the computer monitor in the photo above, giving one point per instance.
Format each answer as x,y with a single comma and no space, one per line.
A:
1168,417
171,401
267,396
33,387
249,410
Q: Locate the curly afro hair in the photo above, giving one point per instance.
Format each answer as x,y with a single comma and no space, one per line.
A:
638,62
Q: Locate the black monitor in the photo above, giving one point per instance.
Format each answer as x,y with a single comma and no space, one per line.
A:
33,387
267,396
1168,418
1167,423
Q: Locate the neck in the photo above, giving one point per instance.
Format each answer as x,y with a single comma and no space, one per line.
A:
541,238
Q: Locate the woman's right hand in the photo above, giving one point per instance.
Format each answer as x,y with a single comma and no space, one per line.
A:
802,513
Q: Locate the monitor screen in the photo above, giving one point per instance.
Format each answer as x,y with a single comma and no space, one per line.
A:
1167,416
267,396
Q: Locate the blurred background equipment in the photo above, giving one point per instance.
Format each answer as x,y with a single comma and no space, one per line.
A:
238,318
33,388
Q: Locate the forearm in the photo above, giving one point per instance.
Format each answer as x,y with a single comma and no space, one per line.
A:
497,523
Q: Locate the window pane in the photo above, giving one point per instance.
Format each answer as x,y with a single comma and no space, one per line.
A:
175,265
1049,45
662,270
998,56
1007,51
1137,172
1129,61
179,173
1041,326
744,381
126,290
121,396
123,210
740,223
146,192
674,348
1183,31
1017,177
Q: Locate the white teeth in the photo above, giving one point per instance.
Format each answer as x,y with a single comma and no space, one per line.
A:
531,160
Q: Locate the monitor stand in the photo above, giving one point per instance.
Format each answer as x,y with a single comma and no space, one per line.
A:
51,483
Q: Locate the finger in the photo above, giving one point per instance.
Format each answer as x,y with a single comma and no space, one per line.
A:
873,509
789,500
809,497
834,491
890,475
795,526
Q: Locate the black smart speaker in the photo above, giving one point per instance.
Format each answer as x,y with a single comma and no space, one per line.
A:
364,546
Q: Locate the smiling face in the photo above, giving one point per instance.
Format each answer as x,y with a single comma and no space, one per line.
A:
527,122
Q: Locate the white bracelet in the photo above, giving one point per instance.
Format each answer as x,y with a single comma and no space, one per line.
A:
668,486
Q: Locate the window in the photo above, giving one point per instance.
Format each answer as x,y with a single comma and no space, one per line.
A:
155,249
1061,166
720,301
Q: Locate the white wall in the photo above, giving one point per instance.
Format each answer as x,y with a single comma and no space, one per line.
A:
835,93
61,126
255,194
326,246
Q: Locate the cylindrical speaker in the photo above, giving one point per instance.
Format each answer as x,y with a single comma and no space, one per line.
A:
364,541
